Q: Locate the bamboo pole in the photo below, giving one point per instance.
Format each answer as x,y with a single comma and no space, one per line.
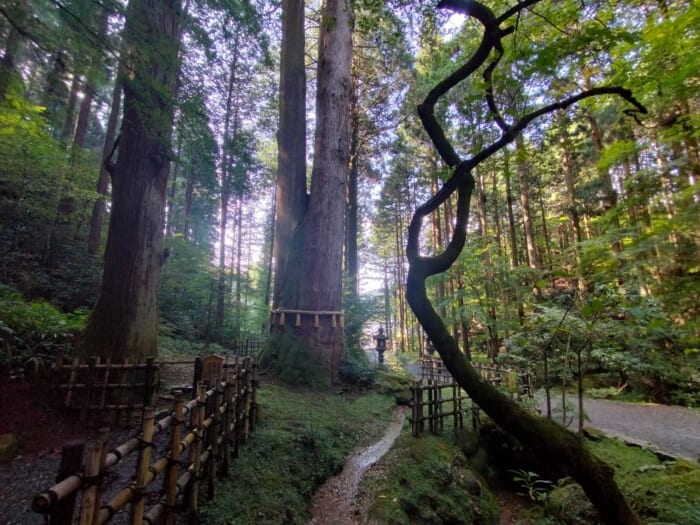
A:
71,382
56,502
247,397
195,454
170,482
92,479
213,440
139,502
254,396
229,394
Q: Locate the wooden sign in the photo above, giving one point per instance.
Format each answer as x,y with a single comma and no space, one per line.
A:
212,369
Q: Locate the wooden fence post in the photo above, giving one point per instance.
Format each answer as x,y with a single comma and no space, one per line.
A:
196,454
71,461
174,464
92,480
197,377
229,393
213,440
247,398
139,501
254,396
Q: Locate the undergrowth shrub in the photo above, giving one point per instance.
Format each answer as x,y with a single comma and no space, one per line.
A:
34,333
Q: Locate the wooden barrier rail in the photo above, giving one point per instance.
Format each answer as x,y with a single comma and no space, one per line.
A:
220,421
516,382
440,398
432,410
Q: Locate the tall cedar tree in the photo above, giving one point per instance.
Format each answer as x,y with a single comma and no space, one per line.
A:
544,437
124,323
312,278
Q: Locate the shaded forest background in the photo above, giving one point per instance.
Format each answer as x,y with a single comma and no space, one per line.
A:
583,243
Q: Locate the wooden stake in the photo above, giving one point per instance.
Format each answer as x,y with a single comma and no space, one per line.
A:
298,320
316,321
92,475
138,505
174,465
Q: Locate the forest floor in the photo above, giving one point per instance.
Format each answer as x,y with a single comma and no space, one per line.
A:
42,427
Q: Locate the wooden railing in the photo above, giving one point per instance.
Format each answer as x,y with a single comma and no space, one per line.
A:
516,382
434,403
437,399
116,393
175,455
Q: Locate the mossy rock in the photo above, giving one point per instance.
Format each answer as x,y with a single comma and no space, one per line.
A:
9,445
569,504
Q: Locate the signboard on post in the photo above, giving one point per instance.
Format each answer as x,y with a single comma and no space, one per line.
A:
212,369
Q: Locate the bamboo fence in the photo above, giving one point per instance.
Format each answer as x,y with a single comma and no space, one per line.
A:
438,398
200,437
514,381
111,392
433,403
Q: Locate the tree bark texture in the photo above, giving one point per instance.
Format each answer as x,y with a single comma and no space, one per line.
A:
124,323
545,438
291,196
98,207
324,222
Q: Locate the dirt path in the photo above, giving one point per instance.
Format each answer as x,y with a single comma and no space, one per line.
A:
335,503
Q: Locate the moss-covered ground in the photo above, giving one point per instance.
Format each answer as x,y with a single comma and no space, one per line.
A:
304,435
301,440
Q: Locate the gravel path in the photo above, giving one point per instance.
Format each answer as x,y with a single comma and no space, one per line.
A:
672,429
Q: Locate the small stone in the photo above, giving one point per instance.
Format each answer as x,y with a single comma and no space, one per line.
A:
8,446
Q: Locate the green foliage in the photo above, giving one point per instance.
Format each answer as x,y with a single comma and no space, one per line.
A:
533,486
43,197
427,480
302,439
188,285
34,333
355,368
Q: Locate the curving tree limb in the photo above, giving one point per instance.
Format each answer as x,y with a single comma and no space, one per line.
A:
545,438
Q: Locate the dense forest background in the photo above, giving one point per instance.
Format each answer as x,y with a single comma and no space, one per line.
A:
583,243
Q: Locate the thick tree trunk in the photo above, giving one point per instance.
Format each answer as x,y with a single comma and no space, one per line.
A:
313,268
290,196
124,323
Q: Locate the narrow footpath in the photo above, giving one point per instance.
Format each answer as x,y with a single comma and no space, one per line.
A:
335,502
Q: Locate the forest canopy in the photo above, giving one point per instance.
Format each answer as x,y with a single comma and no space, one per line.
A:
583,237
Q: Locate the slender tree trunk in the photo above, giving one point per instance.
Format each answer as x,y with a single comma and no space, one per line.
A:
7,63
351,234
69,121
124,322
533,259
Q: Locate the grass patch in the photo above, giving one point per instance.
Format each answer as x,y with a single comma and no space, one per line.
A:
302,439
427,480
660,492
